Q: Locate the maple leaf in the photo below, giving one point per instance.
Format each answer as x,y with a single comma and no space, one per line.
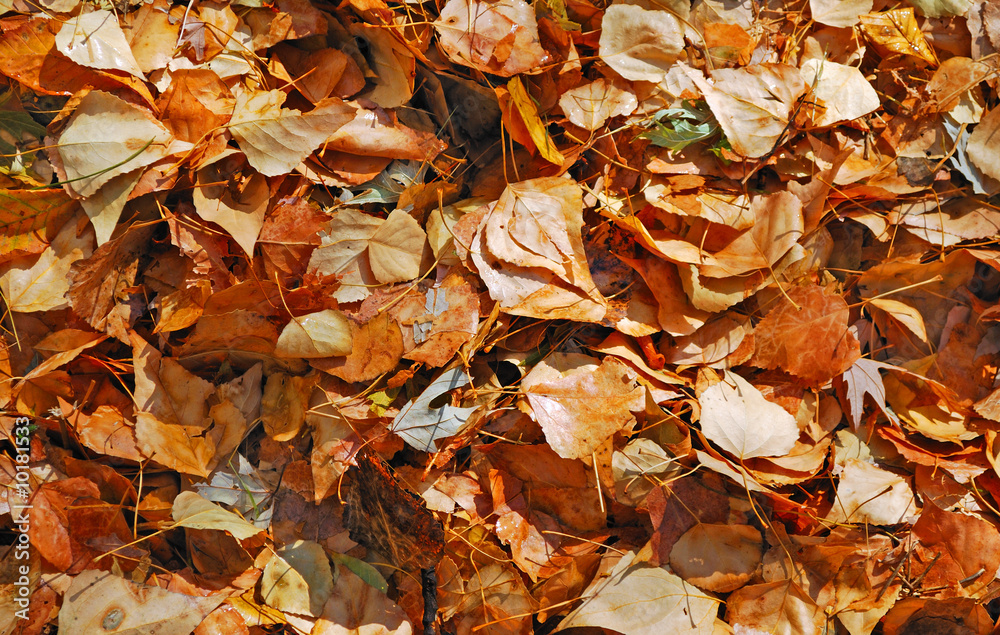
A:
863,378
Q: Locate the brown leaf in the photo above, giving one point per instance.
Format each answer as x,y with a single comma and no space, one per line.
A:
578,402
103,291
806,335
499,38
969,548
29,220
385,517
377,348
718,558
100,600
775,607
897,32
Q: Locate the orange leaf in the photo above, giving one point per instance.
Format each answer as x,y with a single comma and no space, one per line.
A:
806,335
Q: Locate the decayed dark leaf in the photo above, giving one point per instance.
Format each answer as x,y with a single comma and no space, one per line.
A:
385,517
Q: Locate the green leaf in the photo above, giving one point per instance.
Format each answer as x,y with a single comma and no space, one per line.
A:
363,570
677,128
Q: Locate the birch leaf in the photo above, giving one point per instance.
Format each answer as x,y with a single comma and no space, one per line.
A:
91,157
95,40
737,418
277,139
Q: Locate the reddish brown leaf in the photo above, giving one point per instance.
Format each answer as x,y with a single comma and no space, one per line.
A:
806,335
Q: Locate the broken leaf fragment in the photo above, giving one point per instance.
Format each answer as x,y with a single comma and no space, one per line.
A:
420,424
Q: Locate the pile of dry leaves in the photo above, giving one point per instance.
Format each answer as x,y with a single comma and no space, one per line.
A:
663,317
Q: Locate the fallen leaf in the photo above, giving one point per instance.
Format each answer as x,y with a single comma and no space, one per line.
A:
91,158
983,144
968,547
30,219
718,558
753,104
421,425
590,105
640,45
781,608
579,402
42,285
325,333
385,517
806,335
357,607
639,598
868,494
839,13
396,247
195,512
528,111
896,32
499,38
101,601
298,578
95,40
841,93
736,417
275,139
904,314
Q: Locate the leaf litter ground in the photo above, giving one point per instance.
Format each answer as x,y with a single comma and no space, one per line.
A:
496,317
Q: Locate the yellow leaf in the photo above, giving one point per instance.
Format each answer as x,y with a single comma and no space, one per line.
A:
325,333
196,512
29,220
897,32
536,128
905,315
